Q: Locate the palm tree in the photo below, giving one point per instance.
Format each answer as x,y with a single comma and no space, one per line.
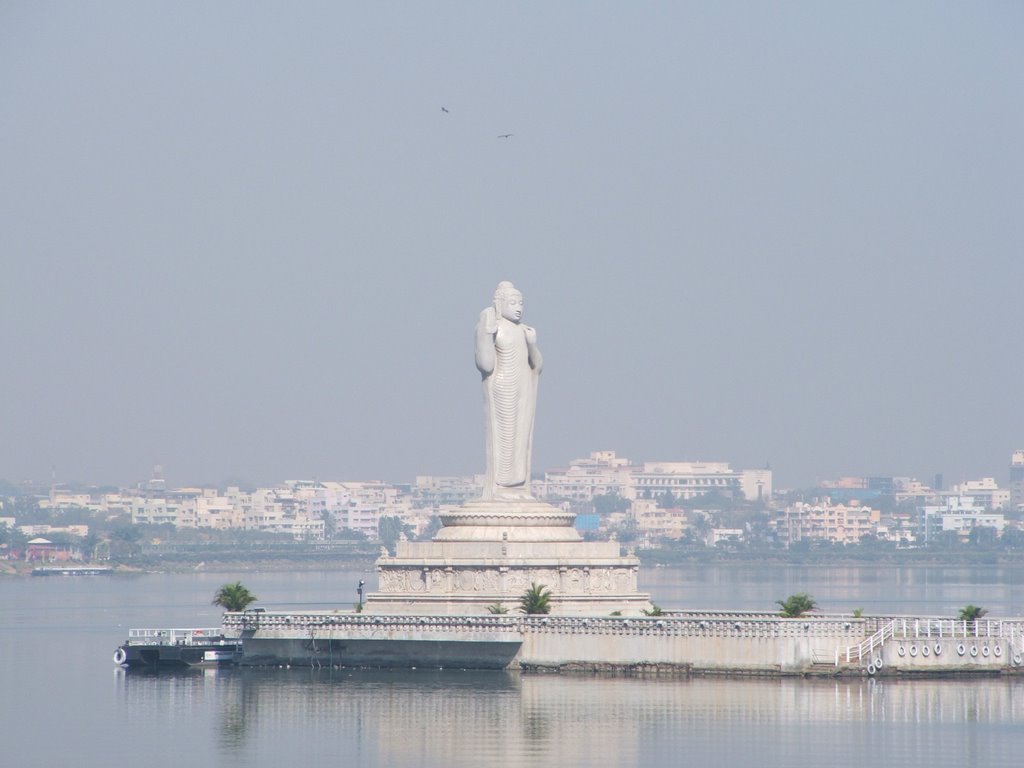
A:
797,605
497,608
234,597
971,613
654,610
537,599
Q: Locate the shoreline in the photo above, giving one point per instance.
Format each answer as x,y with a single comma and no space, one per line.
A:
319,562
271,565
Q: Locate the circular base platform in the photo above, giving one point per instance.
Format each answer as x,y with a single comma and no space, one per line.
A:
506,514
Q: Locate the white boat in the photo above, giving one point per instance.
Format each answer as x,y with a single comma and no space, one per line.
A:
193,647
72,570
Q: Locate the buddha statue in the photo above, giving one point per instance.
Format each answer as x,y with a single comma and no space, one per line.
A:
510,363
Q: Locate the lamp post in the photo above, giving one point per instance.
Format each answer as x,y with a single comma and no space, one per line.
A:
359,589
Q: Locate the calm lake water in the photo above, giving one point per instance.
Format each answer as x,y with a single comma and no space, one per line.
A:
66,704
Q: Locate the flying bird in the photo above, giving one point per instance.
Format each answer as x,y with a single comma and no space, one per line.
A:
505,135
444,109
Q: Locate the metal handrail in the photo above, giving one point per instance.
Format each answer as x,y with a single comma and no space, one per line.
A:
932,628
190,636
869,644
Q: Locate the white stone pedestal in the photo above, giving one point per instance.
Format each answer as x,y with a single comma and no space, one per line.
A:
490,553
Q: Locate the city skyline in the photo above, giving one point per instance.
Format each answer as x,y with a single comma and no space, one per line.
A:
604,494
1005,480
252,243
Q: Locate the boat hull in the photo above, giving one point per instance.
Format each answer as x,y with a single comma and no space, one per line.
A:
178,656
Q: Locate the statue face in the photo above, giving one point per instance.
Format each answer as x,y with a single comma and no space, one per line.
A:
512,307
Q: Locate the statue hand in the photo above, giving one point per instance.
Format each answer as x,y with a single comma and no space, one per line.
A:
531,334
489,320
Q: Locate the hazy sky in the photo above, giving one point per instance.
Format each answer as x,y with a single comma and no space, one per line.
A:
243,240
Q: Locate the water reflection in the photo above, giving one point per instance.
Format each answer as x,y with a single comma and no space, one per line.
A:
434,717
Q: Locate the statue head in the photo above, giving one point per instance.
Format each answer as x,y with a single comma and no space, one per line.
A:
508,302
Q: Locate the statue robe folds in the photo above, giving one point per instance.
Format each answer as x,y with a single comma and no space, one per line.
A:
510,402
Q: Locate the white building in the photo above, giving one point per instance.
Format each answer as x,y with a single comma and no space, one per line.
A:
62,499
436,492
605,473
961,514
825,521
275,510
360,505
601,474
1017,480
216,511
48,530
685,479
298,508
985,492
176,510
653,522
756,484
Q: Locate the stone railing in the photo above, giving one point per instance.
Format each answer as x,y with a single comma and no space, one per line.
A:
689,624
265,620
677,623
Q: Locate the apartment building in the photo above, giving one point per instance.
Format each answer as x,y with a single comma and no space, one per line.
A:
215,511
177,509
360,505
654,522
299,508
961,514
985,492
838,523
600,474
1017,481
437,492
